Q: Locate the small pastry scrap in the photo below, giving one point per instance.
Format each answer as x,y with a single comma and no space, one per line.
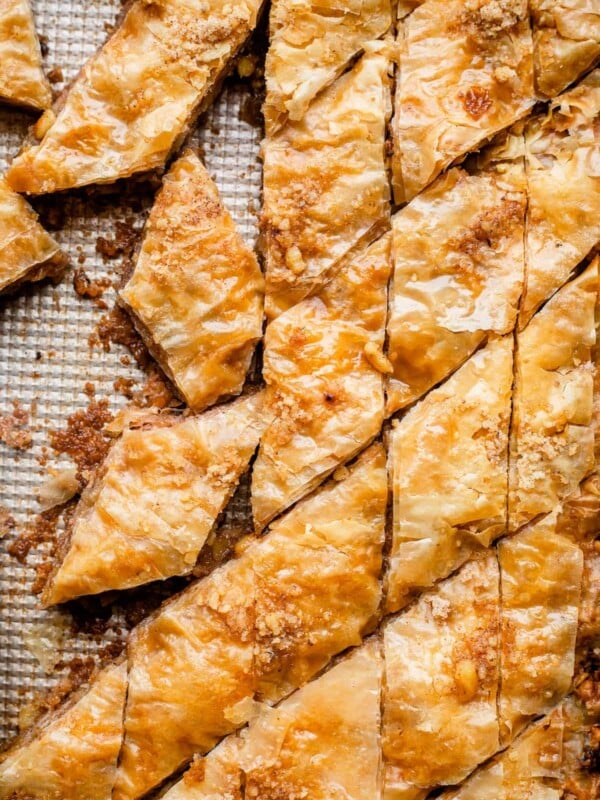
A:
258,627
215,777
323,364
73,753
325,191
552,439
449,461
135,100
155,499
541,573
27,251
311,43
553,759
466,72
22,79
566,42
563,213
323,741
458,265
196,293
441,680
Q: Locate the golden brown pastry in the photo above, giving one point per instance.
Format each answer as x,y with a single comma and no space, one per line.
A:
441,679
259,626
563,213
449,473
552,441
318,576
541,576
71,754
135,100
196,293
457,275
311,43
323,365
566,42
22,79
552,760
155,499
216,777
27,251
466,72
323,742
325,184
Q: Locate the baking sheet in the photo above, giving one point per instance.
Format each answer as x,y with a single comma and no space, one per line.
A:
46,359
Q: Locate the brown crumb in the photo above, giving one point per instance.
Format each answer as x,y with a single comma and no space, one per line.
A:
116,328
13,431
125,387
89,389
42,529
122,245
84,439
42,573
55,75
7,522
86,287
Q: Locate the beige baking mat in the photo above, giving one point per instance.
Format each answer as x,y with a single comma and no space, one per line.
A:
46,358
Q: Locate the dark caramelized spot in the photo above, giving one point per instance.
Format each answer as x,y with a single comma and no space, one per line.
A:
476,101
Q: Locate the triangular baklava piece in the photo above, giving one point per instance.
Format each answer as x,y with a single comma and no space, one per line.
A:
325,183
152,504
449,458
27,251
72,753
563,212
441,679
22,79
196,293
260,626
132,103
541,575
322,362
312,41
552,440
566,42
466,72
323,742
458,266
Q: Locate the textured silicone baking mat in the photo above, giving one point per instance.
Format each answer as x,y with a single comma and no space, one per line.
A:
45,355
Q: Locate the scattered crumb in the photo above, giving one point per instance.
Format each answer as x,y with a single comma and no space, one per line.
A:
122,245
55,75
84,439
89,389
88,288
42,529
116,328
7,522
13,430
79,672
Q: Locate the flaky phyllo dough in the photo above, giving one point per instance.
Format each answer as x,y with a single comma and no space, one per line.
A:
412,618
325,188
155,499
22,80
133,102
27,251
324,368
312,42
196,293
